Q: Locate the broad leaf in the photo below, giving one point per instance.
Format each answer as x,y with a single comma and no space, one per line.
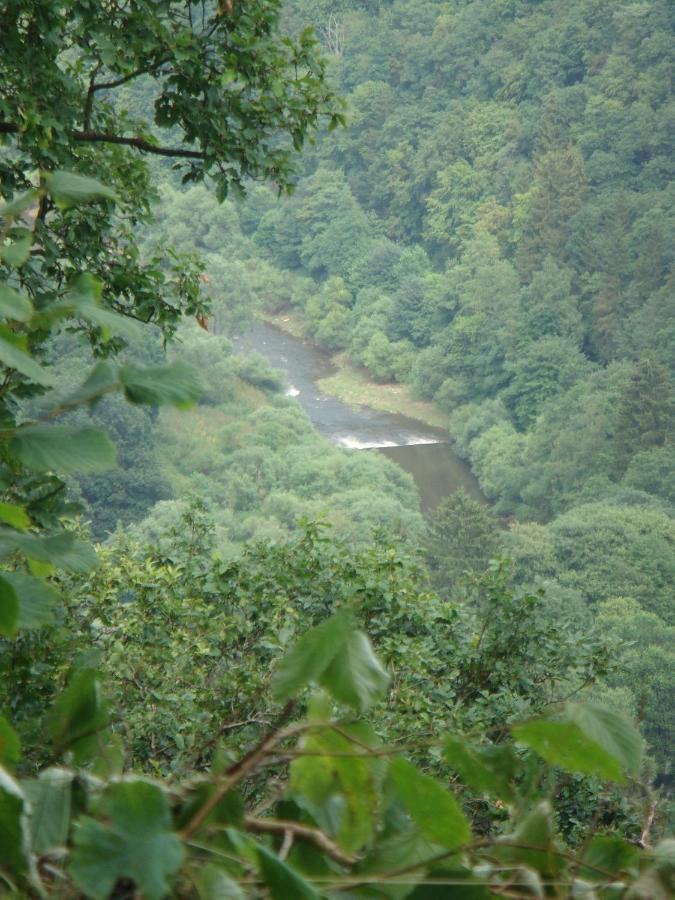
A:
282,881
313,653
177,384
611,730
487,770
50,800
564,744
62,448
62,549
338,789
12,356
17,252
433,809
354,676
80,713
13,304
10,746
14,836
608,853
135,841
9,609
85,295
216,884
14,208
37,599
534,841
13,515
69,189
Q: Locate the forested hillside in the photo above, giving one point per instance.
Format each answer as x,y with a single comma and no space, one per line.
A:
235,659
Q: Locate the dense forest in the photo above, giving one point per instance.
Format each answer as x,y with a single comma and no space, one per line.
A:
237,660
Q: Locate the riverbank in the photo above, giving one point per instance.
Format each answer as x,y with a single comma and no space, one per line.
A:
353,385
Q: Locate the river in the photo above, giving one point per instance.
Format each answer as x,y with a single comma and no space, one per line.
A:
425,452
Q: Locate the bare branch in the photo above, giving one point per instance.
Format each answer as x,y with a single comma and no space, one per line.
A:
301,832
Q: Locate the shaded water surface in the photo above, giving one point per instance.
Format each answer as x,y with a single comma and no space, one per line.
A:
421,450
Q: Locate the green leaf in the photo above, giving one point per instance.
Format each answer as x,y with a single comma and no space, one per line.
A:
62,549
483,769
9,609
79,715
216,884
564,744
101,380
13,515
609,854
533,841
10,745
63,448
315,650
177,384
432,808
283,882
355,676
338,790
611,730
37,599
453,884
13,304
13,208
16,253
135,842
85,295
50,801
69,189
14,835
14,357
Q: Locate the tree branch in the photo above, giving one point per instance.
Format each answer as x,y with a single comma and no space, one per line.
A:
303,833
143,70
106,138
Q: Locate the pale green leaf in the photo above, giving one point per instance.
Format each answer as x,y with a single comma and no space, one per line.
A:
177,384
215,884
13,304
63,448
355,676
49,797
17,252
15,207
564,744
69,189
312,654
611,730
37,599
10,745
63,549
13,357
13,515
14,835
432,808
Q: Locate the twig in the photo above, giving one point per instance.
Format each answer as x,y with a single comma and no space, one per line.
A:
302,832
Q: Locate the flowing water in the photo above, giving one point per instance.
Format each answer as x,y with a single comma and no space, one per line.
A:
423,451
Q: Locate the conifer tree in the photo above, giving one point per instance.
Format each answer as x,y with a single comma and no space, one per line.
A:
645,415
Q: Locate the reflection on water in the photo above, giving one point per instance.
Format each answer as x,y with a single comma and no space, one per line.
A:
421,450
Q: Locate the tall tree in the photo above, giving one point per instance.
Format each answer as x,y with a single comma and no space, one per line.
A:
464,536
646,410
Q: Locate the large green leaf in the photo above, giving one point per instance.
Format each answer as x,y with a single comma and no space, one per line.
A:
14,356
315,650
354,676
533,841
10,745
62,550
19,204
69,189
85,295
177,384
282,881
433,809
133,841
13,304
17,252
338,789
564,744
215,884
14,835
487,770
611,730
608,853
13,515
37,599
63,448
50,801
80,714
9,609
